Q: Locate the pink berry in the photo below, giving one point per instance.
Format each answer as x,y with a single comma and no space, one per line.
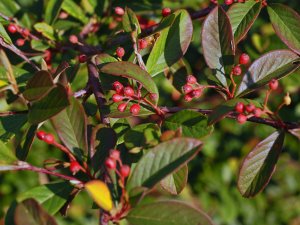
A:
122,107
257,112
25,32
49,138
41,135
228,2
120,52
187,88
82,58
125,171
153,96
197,93
273,84
115,154
73,39
166,11
244,59
110,163
188,97
20,42
239,107
128,91
143,44
119,11
190,79
135,109
12,28
241,119
117,98
118,87
237,70
250,108
75,167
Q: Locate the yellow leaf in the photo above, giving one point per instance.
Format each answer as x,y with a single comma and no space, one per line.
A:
3,83
100,194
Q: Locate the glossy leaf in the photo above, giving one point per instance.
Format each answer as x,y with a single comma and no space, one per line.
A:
100,194
218,43
172,43
71,127
242,17
38,86
286,25
74,10
6,155
175,182
52,10
4,35
39,45
167,213
30,212
193,124
130,21
24,146
50,105
11,125
133,71
45,29
259,165
275,64
162,160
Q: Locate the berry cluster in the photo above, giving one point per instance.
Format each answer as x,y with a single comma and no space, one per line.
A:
246,111
192,89
25,33
111,163
243,60
43,136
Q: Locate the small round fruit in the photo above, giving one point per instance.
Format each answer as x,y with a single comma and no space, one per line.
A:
25,32
228,2
120,52
128,91
197,93
115,154
250,108
49,138
135,109
110,164
188,97
287,99
190,79
119,11
166,11
273,84
75,167
117,98
241,118
118,87
12,28
122,107
73,39
82,58
20,42
41,135
143,44
257,112
187,88
125,171
244,59
237,70
239,107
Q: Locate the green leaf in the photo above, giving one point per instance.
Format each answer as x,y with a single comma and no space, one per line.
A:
275,64
26,143
162,160
286,25
45,29
259,165
6,155
167,213
52,10
130,21
38,86
74,10
9,8
133,71
175,182
71,127
11,125
222,110
39,45
51,196
218,43
30,212
4,35
242,17
50,105
193,124
120,126
172,43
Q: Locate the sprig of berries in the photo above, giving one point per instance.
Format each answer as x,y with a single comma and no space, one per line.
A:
192,89
247,111
113,161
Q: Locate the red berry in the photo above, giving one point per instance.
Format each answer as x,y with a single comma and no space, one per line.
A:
49,138
41,135
273,84
75,167
143,44
257,112
122,107
165,12
47,56
228,2
250,108
135,109
241,118
20,42
119,11
115,154
12,28
237,70
190,79
188,97
117,98
239,107
118,87
128,91
197,93
187,88
153,96
244,59
120,52
73,39
25,32
125,171
82,58
110,163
